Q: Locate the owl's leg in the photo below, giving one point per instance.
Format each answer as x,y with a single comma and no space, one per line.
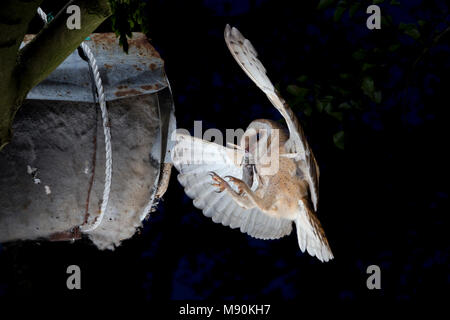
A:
264,204
241,185
246,195
240,197
220,183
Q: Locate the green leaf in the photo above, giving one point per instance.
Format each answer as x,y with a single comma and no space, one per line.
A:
367,66
359,54
126,16
404,26
324,104
337,115
338,13
394,47
353,9
323,4
293,89
377,1
368,87
296,90
394,3
319,105
302,78
385,22
338,139
413,33
342,91
344,106
356,104
317,88
377,97
307,110
410,29
377,50
344,76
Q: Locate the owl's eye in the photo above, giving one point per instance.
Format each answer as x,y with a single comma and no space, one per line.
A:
257,136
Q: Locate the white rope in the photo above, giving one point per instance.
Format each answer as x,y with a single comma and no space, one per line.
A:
106,130
42,14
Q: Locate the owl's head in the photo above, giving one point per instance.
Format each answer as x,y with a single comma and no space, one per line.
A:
260,137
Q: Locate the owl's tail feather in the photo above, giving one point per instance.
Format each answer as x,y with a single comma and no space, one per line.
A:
310,234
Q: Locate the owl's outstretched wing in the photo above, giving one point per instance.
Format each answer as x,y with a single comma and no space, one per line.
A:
247,57
194,158
310,234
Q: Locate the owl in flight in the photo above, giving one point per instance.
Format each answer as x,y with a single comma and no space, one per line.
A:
231,184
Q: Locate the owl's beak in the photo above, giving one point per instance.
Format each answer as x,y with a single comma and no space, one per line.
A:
235,146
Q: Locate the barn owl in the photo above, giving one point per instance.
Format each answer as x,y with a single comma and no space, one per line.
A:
229,184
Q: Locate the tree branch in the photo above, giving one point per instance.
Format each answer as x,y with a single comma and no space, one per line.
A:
15,17
55,42
21,70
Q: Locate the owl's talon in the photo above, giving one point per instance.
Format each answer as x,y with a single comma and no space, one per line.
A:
221,184
239,184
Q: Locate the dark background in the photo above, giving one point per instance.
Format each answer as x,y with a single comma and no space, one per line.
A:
383,199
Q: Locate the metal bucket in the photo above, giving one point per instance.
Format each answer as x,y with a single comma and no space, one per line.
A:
52,173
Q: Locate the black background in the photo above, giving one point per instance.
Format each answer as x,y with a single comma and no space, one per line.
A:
383,200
